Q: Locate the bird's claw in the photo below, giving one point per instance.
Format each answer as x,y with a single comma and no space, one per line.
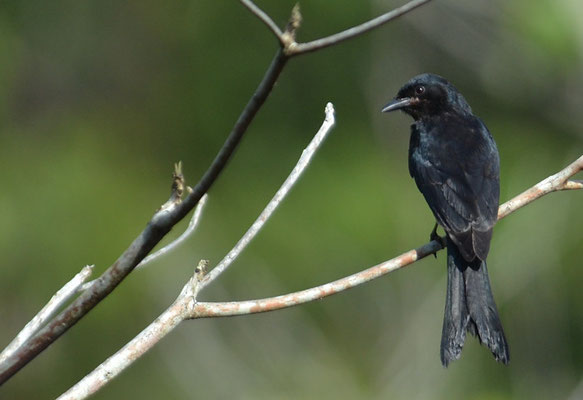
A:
439,239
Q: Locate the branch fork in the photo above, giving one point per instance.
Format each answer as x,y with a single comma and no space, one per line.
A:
291,48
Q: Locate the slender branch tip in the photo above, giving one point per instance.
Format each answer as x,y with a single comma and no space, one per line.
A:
329,110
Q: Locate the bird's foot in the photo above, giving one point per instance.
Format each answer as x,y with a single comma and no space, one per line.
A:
439,239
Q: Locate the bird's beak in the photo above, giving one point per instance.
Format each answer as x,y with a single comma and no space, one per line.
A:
398,104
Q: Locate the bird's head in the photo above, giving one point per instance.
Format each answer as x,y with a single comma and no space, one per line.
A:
426,95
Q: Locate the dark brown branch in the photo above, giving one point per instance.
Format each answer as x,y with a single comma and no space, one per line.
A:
235,136
175,209
156,229
266,19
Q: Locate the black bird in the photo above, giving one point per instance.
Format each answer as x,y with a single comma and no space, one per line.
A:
454,161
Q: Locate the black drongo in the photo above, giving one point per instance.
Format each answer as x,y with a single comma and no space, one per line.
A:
454,161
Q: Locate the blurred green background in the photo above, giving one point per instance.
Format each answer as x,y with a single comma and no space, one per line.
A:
98,99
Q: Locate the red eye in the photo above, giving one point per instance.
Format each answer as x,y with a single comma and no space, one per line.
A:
419,90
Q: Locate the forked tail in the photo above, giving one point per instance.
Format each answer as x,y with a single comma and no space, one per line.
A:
469,306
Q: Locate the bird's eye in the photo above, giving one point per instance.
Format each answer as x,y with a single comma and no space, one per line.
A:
419,90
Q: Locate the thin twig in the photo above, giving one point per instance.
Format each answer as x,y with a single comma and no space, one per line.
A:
157,228
166,218
186,306
189,231
186,301
225,153
114,365
61,297
302,48
227,309
171,246
287,38
143,342
558,181
300,167
266,19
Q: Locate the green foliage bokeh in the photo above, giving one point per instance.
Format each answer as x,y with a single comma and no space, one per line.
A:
99,99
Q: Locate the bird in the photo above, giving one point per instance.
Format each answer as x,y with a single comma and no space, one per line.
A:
454,161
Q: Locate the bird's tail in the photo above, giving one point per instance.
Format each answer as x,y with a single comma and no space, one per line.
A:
469,306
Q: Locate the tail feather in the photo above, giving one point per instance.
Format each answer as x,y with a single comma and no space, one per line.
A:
483,311
457,316
469,306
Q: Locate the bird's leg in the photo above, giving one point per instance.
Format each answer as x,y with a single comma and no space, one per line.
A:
439,239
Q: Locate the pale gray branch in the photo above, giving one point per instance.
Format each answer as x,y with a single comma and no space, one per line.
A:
302,48
189,231
177,208
55,303
556,182
187,307
192,225
301,165
181,309
292,48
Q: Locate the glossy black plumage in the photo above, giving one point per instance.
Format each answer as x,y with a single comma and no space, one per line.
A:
455,163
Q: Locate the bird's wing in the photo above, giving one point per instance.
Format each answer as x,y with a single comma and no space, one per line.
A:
461,185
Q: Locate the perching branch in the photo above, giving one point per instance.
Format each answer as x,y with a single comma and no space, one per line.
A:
187,307
559,181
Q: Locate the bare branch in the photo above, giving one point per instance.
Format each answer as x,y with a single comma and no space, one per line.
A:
189,231
266,19
226,309
292,48
139,345
176,209
114,365
186,301
301,165
171,246
225,153
186,306
61,297
160,224
302,48
558,181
